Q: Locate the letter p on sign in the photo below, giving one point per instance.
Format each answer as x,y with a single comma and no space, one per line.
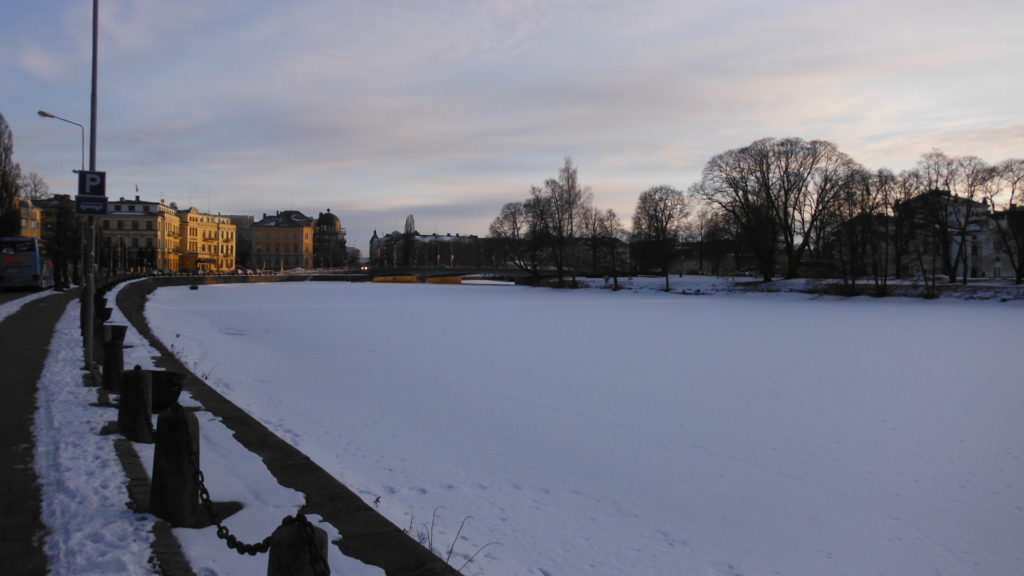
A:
92,183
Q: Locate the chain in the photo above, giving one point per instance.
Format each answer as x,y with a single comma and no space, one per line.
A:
317,561
204,497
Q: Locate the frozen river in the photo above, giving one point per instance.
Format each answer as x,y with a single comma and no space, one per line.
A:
608,433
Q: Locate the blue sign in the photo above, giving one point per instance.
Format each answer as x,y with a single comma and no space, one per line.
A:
91,205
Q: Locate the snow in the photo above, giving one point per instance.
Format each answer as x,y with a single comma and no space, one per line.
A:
12,306
636,432
82,482
581,431
84,487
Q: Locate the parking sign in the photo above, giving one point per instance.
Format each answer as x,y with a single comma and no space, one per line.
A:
92,193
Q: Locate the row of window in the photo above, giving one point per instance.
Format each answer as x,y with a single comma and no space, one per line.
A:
134,226
223,249
278,248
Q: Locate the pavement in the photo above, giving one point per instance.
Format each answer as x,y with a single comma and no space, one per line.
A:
24,344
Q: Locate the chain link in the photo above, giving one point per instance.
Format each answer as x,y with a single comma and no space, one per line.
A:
317,561
204,498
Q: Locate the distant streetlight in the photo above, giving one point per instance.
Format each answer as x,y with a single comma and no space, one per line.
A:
46,114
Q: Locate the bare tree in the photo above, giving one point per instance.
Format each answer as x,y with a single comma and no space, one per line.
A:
10,182
611,234
936,170
1008,217
907,184
568,203
967,214
704,221
738,184
511,227
859,229
657,225
590,233
33,187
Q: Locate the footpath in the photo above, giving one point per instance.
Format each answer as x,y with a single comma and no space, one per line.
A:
24,344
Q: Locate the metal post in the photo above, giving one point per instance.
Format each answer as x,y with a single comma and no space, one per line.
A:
90,253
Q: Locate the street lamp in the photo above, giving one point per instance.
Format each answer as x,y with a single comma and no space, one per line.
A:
87,255
46,114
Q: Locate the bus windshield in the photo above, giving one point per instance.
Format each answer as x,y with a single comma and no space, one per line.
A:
8,246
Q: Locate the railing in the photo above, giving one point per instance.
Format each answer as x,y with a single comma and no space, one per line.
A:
178,491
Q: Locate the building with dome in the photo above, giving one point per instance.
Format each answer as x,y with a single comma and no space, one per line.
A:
329,249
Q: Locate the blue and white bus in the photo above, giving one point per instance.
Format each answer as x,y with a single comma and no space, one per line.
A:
24,263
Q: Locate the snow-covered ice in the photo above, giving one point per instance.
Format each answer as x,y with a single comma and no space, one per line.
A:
599,432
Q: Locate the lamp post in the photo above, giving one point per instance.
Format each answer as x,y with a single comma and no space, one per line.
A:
46,114
87,306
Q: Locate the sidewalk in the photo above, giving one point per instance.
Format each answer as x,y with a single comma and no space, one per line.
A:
24,342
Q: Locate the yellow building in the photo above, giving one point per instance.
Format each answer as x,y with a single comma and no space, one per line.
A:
136,236
283,241
30,218
207,242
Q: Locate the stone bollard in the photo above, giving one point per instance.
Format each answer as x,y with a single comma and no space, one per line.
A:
174,491
113,358
167,387
135,413
298,549
99,302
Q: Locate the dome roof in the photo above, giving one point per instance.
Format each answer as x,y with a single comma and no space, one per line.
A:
328,220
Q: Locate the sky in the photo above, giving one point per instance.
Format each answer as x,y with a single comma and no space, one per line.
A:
448,110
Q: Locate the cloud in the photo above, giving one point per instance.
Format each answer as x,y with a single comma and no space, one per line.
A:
431,106
41,63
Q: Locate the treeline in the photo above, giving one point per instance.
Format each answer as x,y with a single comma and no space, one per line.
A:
782,207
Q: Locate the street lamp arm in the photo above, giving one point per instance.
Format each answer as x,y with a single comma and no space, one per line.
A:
46,114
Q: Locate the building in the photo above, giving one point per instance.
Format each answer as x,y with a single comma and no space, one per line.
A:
138,235
413,250
245,241
207,242
951,236
329,242
30,218
1008,243
284,241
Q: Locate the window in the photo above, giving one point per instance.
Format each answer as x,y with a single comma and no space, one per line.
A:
131,208
120,225
135,225
149,225
106,224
